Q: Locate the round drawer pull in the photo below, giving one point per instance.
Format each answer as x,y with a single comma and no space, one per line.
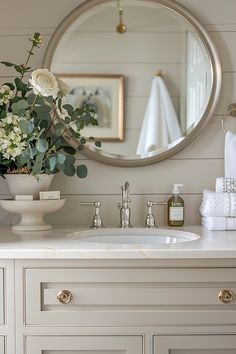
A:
226,296
64,296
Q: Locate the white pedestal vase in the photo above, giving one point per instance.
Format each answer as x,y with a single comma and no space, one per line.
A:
32,212
24,184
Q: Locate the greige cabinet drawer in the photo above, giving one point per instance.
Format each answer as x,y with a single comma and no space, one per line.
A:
81,344
2,309
100,297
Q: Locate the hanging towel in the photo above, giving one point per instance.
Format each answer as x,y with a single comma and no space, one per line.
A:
219,223
225,185
160,125
230,155
218,204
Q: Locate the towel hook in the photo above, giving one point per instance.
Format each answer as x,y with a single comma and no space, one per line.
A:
159,73
231,112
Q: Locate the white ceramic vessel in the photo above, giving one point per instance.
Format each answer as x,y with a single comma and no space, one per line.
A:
24,184
32,212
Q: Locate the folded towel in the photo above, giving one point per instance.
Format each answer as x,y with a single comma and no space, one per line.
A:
219,223
218,204
230,155
225,185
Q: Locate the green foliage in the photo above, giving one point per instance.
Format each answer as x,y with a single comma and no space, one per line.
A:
39,127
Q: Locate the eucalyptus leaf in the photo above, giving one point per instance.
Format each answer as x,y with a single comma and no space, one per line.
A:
21,161
52,162
44,123
70,159
68,108
61,158
20,85
98,144
67,120
69,169
61,166
6,63
59,127
19,107
83,140
10,85
26,126
82,171
31,98
69,150
42,145
19,69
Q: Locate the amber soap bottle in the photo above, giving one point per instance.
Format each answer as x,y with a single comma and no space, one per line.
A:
176,207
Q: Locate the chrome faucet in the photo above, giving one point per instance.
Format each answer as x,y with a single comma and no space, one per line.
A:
124,206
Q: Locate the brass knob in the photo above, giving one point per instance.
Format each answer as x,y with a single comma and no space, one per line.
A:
64,296
226,296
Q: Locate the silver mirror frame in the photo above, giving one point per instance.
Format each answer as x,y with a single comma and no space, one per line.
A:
187,16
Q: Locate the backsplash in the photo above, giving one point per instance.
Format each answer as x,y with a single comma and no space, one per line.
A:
196,167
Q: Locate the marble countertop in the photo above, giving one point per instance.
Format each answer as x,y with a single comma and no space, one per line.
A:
62,243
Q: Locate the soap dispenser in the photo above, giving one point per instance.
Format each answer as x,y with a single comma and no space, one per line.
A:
176,207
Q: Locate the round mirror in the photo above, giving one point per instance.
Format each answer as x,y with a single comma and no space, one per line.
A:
147,68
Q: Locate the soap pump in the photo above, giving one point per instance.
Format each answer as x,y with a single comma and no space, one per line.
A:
176,207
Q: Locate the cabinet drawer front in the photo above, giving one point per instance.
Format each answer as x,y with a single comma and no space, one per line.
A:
110,296
195,344
2,310
82,344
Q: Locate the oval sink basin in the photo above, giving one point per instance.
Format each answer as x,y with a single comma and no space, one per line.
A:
135,236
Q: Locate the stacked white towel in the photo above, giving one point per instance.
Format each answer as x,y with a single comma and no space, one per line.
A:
218,204
219,208
219,223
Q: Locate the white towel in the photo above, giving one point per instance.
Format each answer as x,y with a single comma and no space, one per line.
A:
160,125
225,185
230,154
218,204
219,223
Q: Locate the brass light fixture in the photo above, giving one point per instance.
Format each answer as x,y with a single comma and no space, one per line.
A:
121,27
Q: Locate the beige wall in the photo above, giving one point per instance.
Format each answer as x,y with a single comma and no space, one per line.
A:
196,167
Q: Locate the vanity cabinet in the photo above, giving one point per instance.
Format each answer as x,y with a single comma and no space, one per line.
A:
124,307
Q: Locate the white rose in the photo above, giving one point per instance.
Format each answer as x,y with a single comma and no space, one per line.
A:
63,87
44,82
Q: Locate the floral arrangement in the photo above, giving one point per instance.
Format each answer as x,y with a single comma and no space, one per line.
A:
34,122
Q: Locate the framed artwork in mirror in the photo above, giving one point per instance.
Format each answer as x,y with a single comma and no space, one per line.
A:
104,94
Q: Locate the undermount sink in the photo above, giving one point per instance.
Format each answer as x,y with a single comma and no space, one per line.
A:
135,236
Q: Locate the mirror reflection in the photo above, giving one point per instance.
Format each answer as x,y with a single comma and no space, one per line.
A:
165,65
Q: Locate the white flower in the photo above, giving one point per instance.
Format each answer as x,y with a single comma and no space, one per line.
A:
44,82
12,140
64,89
5,94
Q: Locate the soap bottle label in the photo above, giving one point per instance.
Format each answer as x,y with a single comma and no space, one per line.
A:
176,213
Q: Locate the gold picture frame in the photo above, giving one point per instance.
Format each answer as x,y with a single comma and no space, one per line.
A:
105,94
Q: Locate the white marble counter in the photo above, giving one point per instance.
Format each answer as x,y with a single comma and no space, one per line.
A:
59,244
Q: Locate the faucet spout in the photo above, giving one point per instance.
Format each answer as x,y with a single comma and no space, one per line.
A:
124,206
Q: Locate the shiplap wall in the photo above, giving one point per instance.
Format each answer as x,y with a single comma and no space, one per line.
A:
196,167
